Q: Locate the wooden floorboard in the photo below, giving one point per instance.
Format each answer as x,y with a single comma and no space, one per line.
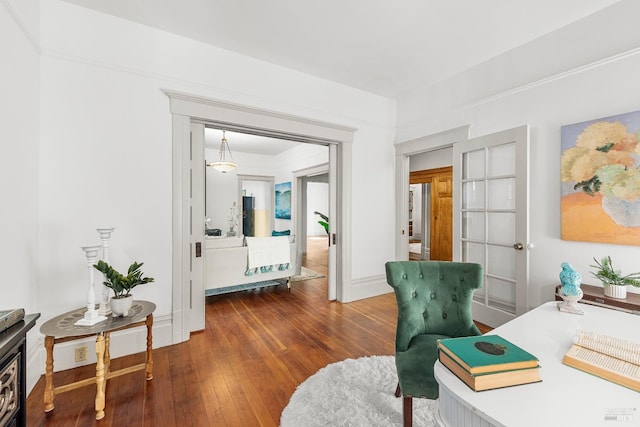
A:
257,346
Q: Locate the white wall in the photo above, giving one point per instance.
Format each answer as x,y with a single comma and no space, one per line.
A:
19,109
317,200
300,157
222,189
106,145
431,159
585,71
19,112
221,194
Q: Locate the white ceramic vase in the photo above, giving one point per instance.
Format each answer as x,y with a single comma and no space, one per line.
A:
622,212
615,291
120,306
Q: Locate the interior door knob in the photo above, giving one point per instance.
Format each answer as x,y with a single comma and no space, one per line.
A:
518,246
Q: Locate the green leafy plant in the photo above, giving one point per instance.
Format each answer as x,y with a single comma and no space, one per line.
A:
120,284
609,276
324,221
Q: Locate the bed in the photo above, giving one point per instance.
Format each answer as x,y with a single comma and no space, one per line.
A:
227,265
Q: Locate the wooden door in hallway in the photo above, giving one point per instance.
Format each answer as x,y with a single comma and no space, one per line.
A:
441,213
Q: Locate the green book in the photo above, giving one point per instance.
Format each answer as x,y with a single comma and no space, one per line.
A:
487,353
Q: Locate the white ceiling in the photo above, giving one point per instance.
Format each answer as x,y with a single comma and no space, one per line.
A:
380,46
245,143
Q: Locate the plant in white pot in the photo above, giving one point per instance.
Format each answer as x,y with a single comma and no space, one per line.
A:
614,282
122,285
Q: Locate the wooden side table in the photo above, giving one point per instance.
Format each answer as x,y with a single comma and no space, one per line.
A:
594,295
62,329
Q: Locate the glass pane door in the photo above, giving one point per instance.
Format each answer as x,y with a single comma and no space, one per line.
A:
492,220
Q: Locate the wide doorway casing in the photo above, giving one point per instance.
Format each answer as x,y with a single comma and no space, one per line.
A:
480,230
188,289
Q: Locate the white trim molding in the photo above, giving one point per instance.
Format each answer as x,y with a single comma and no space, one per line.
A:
367,287
278,125
23,27
187,108
404,150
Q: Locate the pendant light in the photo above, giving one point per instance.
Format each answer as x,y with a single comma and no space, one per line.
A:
223,165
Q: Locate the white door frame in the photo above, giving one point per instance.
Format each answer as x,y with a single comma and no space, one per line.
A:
196,221
300,193
404,150
186,108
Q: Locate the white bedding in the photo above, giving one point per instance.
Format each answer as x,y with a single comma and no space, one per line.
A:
267,251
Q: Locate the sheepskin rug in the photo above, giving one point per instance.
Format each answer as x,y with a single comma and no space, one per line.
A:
354,392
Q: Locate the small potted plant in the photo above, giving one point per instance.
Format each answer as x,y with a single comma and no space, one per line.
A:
122,285
615,284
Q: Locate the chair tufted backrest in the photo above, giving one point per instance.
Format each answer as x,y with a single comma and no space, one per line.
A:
434,297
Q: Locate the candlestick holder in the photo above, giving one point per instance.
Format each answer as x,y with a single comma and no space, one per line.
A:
91,316
105,235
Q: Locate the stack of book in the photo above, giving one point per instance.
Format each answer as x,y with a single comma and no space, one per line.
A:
608,357
488,362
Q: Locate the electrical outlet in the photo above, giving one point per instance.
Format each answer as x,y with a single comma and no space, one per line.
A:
81,353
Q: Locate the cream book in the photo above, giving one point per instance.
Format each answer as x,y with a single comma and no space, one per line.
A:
608,357
492,380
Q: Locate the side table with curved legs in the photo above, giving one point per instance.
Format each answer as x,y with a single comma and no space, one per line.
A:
62,328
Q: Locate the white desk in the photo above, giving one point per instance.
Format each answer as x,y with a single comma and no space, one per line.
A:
566,396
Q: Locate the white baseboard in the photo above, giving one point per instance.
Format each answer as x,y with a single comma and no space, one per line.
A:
367,287
123,343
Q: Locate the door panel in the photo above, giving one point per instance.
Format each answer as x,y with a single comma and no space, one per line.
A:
441,210
442,216
195,313
334,237
491,206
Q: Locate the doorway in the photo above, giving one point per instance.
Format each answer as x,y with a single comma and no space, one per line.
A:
431,214
419,213
188,283
490,212
312,190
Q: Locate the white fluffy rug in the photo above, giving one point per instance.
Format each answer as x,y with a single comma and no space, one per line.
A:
354,392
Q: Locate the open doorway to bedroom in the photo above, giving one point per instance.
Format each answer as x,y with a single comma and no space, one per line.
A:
254,203
313,192
189,115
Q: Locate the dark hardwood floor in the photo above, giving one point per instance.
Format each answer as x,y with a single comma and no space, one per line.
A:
257,346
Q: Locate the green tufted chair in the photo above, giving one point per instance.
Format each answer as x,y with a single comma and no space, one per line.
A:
434,301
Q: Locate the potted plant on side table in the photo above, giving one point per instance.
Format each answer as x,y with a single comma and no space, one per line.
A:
122,285
614,282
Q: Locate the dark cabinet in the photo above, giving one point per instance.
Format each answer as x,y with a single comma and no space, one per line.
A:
13,359
248,203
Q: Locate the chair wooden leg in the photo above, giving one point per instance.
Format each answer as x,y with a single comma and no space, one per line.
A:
398,392
407,411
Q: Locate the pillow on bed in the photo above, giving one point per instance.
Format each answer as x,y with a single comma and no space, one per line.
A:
280,233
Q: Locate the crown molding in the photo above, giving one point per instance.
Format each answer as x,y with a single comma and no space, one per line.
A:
20,23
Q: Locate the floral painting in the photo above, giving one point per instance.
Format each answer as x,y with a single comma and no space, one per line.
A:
600,170
283,200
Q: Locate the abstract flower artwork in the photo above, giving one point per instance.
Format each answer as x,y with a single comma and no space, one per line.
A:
600,171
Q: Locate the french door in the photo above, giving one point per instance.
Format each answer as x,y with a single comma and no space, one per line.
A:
491,220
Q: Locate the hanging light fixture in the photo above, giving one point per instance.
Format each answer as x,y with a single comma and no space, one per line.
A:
223,165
